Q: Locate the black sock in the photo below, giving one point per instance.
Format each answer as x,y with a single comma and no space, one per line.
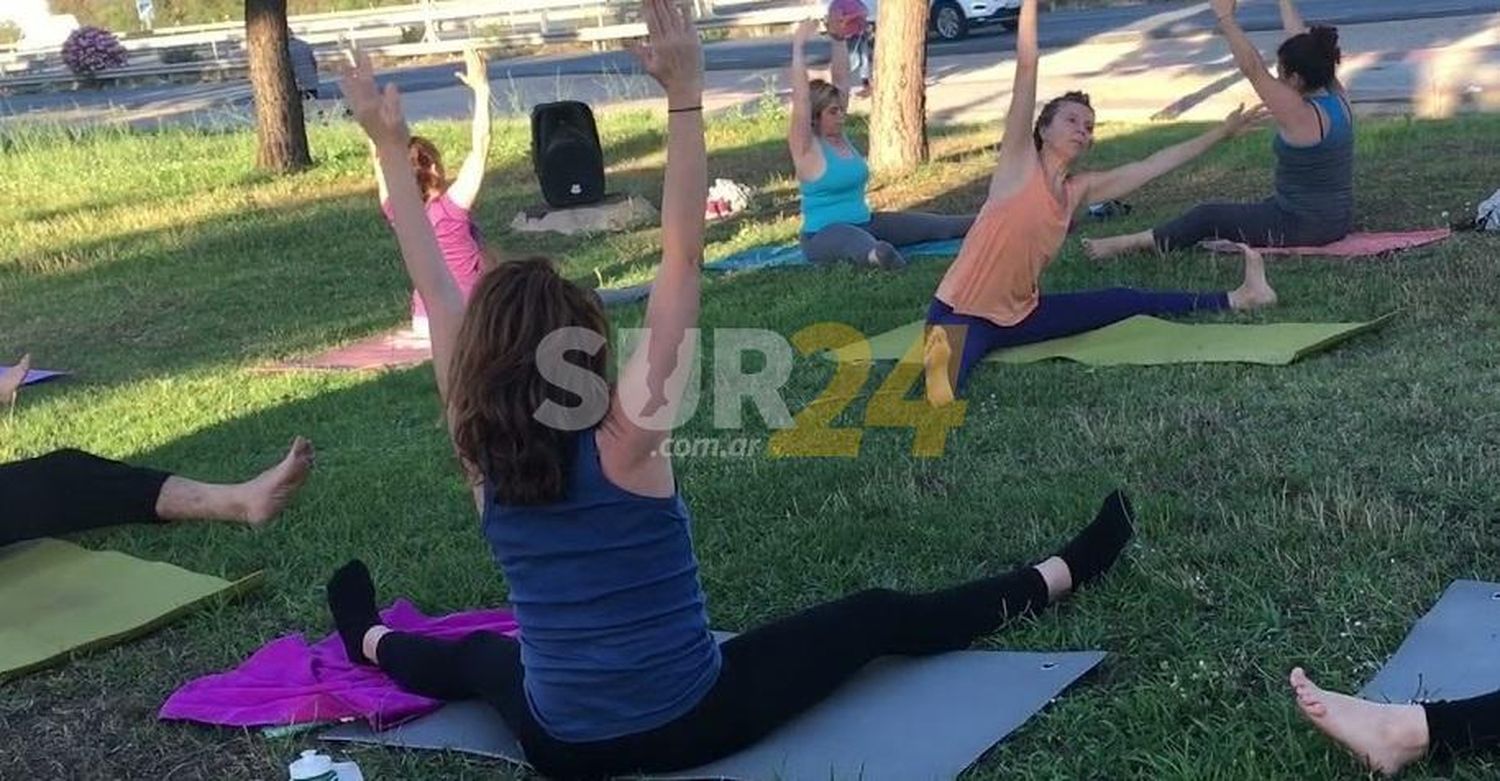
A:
351,599
1095,548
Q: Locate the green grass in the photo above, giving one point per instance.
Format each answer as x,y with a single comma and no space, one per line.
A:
1297,515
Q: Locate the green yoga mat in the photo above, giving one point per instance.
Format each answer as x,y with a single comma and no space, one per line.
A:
57,599
1145,341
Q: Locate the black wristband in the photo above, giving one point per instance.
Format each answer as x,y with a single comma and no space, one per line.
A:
684,110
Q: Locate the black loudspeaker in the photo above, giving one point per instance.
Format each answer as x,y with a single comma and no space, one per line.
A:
566,154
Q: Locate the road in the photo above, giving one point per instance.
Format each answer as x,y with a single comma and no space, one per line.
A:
1153,34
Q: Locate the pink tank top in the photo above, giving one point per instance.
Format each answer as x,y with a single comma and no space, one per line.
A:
996,272
460,240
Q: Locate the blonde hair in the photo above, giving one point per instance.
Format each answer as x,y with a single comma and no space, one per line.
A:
823,96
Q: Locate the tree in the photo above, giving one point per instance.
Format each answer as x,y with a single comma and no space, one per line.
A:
898,126
279,124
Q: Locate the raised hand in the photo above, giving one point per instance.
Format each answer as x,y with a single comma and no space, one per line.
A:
475,76
1241,121
806,30
1223,8
379,113
673,53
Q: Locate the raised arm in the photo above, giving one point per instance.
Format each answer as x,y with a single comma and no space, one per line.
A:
465,187
1105,185
652,382
380,116
1017,150
1291,20
1296,117
385,193
799,133
838,59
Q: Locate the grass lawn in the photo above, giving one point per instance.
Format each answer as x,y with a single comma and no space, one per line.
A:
1297,515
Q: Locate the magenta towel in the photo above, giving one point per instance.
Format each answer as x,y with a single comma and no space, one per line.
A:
1355,245
291,682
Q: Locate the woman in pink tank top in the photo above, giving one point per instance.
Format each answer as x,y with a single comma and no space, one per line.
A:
990,297
449,204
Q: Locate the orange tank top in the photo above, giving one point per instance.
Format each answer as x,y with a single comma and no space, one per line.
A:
995,274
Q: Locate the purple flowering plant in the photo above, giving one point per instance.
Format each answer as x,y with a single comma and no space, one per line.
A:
89,50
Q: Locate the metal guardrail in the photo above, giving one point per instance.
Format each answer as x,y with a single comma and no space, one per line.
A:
227,51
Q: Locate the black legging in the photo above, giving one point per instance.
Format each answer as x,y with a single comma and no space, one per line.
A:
1463,725
769,675
71,491
1264,224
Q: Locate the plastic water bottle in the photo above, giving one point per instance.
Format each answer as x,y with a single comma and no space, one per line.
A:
312,766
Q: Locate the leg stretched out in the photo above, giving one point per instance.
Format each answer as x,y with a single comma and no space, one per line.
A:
769,675
70,491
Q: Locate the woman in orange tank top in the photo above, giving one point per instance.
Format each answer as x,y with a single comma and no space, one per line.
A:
989,298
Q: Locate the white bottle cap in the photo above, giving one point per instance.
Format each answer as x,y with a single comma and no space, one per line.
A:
311,765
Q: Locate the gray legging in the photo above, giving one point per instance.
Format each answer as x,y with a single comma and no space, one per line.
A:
1264,224
885,231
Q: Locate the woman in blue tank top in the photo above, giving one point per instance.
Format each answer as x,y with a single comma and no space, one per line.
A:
615,670
1313,203
837,223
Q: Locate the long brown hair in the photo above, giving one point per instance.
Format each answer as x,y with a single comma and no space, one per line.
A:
427,165
495,387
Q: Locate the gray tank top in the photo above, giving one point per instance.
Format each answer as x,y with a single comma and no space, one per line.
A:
1318,181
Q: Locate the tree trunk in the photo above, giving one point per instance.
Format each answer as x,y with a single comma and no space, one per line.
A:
280,126
898,127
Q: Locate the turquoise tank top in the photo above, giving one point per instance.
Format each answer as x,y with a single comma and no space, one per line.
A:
604,584
838,196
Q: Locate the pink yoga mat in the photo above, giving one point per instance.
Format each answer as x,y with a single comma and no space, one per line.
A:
396,349
1355,245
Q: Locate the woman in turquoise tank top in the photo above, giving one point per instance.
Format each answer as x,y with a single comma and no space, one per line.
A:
837,223
616,671
1313,202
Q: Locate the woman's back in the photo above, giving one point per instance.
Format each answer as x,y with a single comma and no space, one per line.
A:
604,583
1318,180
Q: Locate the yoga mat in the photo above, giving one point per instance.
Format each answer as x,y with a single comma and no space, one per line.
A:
791,255
1451,653
1355,245
396,349
57,598
34,376
901,719
1147,341
402,348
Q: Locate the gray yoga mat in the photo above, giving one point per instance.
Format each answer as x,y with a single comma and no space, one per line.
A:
1453,652
901,719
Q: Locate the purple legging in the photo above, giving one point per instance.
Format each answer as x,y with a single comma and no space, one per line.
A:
1064,314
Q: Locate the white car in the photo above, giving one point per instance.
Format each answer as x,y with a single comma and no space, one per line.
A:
951,19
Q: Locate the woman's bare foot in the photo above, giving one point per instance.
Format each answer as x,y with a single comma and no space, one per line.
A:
1106,248
1386,738
1254,292
939,367
11,379
268,494
253,502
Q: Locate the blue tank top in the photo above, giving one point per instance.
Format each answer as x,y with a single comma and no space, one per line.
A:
604,584
1318,181
838,196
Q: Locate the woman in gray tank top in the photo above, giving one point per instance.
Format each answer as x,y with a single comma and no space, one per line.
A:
1313,203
